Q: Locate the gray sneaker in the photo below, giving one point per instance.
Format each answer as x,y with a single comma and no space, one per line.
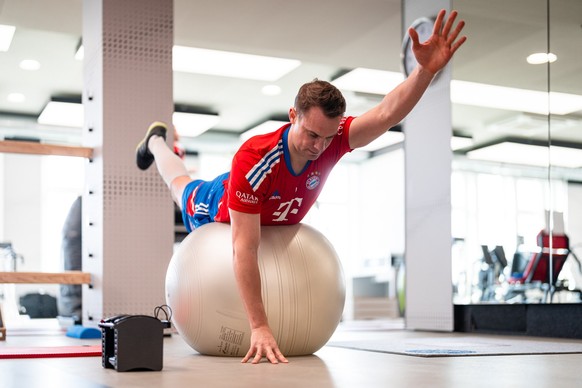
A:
144,157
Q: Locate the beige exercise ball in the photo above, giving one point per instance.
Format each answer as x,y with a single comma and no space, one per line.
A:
302,287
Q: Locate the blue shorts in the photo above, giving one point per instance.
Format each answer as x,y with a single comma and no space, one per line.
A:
203,197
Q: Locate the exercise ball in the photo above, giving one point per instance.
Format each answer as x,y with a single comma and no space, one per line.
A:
302,286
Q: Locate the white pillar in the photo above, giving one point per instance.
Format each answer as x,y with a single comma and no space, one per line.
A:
428,157
128,228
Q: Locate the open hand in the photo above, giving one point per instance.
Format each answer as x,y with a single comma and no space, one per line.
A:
436,52
263,344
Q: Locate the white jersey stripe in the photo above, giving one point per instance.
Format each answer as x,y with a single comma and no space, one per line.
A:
259,172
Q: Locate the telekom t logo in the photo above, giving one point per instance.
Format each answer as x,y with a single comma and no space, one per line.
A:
287,207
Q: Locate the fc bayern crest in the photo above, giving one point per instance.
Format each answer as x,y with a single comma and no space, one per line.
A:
312,182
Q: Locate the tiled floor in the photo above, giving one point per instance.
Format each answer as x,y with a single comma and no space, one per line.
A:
329,367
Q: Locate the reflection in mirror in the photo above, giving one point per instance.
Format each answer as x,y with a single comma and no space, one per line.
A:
40,194
514,194
565,40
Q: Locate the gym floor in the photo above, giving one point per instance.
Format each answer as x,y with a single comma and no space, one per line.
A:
329,367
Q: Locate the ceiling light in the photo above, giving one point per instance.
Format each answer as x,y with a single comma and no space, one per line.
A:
521,100
459,142
71,114
368,81
16,97
29,64
230,64
386,140
529,125
468,93
80,53
6,35
541,58
66,114
193,124
261,129
271,90
529,154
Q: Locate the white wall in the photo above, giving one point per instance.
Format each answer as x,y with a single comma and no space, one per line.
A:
22,208
36,193
21,205
382,201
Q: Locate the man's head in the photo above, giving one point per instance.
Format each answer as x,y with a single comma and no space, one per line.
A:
319,107
320,94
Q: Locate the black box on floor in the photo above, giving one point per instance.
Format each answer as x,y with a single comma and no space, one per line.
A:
132,343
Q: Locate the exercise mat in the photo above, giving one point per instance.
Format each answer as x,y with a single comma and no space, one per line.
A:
463,346
49,351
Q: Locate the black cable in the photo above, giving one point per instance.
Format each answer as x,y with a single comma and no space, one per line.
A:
166,310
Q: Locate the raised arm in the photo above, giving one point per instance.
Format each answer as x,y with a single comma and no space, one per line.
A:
432,56
246,234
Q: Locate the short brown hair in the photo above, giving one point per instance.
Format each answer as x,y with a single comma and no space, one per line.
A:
321,94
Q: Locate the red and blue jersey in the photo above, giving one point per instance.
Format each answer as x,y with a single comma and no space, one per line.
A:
261,181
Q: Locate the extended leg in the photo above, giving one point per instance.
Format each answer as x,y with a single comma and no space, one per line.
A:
171,168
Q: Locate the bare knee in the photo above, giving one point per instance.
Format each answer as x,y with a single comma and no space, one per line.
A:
177,188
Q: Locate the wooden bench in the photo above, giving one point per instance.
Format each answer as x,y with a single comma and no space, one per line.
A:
68,277
32,148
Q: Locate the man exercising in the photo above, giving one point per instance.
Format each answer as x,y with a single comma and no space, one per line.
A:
276,178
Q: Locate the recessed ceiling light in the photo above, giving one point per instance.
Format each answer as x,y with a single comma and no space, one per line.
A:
468,93
271,90
224,63
521,100
386,140
80,53
261,129
66,114
529,154
368,81
230,64
193,124
540,58
29,64
16,97
71,114
6,35
459,142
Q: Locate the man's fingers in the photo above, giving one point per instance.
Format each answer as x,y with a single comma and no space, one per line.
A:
414,36
449,23
248,356
456,32
458,44
257,358
280,355
271,356
436,29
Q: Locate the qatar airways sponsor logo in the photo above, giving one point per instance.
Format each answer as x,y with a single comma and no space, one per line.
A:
247,198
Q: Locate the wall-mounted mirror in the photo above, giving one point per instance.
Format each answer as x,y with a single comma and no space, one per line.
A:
518,115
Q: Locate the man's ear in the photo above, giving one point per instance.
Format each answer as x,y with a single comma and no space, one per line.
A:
292,115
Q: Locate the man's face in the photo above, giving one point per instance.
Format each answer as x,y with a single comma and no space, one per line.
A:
314,131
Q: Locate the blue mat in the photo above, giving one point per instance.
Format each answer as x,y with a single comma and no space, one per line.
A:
78,331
